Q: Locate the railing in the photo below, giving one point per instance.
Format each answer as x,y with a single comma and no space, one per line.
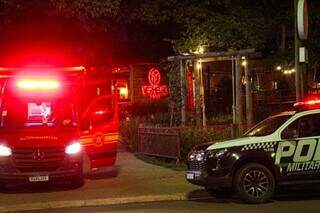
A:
159,141
165,141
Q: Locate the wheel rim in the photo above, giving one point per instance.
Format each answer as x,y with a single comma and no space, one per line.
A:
256,183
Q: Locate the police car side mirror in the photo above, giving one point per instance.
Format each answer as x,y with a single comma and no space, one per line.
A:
289,133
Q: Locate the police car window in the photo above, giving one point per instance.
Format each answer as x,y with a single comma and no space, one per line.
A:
306,126
268,126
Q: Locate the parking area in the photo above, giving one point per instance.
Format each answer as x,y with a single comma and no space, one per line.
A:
131,180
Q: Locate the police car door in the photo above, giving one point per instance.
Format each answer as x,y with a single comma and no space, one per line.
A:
298,154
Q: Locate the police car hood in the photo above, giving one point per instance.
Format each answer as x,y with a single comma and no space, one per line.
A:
238,142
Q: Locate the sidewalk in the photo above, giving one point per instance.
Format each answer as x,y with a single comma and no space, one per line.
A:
131,180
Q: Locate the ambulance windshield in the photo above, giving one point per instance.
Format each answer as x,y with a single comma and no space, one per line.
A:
37,113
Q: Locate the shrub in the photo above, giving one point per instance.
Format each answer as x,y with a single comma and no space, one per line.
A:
220,119
129,127
190,137
129,132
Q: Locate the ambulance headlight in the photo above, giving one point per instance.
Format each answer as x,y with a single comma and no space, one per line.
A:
5,151
73,148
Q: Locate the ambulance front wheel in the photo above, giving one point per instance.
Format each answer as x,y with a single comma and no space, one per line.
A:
254,183
78,181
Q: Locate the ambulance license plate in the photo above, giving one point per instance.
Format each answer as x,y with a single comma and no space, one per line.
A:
40,178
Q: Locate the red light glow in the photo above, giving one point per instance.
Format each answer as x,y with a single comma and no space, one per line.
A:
38,84
154,90
101,112
313,102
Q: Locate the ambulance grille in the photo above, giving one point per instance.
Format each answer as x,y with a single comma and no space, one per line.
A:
196,165
38,160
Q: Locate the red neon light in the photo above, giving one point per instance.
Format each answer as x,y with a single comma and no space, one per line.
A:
154,90
38,84
190,97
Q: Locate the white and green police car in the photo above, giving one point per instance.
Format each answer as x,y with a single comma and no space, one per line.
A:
282,149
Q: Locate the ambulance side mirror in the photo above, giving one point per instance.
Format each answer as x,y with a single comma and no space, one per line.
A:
289,133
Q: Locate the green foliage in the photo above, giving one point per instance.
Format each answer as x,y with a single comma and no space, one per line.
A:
88,8
190,137
129,132
145,108
129,127
261,112
220,119
174,91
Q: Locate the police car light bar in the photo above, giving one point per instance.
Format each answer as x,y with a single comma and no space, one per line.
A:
38,84
307,103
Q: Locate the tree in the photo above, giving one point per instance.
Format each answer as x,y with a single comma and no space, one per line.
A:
266,25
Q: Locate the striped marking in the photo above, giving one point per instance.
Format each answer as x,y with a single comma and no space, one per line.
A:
99,139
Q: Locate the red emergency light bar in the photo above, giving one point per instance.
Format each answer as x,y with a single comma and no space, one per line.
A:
65,69
38,84
311,103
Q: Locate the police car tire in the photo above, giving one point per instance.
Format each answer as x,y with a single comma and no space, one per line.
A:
244,173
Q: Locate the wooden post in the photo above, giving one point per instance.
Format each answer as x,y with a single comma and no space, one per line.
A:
234,118
131,79
203,106
183,92
249,109
239,102
197,93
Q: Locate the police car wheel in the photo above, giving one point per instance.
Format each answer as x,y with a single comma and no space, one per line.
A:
220,192
254,183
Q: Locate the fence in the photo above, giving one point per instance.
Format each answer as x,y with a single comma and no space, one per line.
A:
159,141
166,142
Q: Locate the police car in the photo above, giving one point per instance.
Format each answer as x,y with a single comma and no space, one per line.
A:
282,149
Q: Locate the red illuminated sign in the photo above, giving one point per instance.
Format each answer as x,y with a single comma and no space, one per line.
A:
154,89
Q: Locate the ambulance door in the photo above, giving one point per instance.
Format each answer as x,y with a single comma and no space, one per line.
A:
101,140
298,154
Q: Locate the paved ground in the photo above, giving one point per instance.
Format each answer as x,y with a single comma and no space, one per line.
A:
211,205
131,180
135,185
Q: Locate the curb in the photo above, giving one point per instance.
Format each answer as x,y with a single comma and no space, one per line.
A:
93,202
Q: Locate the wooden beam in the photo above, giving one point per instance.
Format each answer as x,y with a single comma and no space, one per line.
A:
212,54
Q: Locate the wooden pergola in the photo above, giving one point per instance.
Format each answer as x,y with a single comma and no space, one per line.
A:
235,57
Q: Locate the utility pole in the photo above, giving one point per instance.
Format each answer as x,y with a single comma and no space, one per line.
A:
297,44
301,34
